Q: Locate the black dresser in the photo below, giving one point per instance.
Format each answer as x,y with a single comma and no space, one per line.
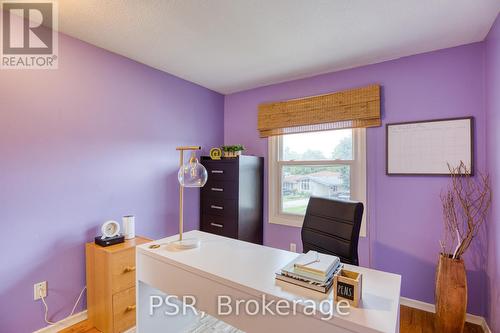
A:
231,200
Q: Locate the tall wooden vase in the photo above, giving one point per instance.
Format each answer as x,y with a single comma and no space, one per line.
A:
451,295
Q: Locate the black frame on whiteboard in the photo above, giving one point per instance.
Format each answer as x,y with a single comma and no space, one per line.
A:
470,118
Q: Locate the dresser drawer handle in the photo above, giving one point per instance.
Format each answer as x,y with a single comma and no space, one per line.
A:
218,171
129,269
130,308
216,207
217,225
216,189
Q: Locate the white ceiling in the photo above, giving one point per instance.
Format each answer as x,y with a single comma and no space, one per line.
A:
233,45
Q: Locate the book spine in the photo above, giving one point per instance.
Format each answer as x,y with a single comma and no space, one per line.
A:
301,283
311,271
308,277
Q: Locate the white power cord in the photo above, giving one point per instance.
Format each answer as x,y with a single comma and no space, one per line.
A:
72,311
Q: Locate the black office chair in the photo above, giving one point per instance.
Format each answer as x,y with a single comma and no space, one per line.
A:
332,227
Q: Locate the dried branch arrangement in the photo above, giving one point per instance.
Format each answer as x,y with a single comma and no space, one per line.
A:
465,208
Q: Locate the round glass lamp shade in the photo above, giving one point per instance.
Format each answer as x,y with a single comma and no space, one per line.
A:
192,174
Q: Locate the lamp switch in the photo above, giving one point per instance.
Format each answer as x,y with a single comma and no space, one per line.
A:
40,290
293,247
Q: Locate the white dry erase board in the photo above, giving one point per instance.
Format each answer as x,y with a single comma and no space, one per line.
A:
426,147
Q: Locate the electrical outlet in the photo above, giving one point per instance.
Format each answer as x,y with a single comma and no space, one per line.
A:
293,247
40,290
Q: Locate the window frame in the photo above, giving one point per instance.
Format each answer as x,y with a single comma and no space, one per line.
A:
357,178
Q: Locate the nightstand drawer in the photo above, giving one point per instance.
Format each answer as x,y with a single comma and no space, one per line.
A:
219,226
220,189
219,207
122,270
124,310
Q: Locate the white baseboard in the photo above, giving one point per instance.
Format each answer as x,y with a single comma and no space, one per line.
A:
470,318
413,303
62,324
485,327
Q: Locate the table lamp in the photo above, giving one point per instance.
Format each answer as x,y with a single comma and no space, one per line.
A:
191,174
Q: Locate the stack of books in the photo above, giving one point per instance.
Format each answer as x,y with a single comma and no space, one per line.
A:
311,270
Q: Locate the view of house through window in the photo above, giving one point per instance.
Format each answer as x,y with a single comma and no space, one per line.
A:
314,164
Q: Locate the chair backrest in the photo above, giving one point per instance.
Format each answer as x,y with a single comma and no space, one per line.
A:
332,227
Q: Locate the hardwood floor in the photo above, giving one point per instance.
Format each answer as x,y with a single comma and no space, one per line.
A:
411,321
418,321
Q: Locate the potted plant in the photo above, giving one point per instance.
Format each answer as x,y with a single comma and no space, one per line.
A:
465,206
232,151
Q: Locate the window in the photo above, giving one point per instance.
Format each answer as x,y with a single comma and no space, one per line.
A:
329,164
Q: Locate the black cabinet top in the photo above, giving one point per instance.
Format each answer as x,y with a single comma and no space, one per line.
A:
230,159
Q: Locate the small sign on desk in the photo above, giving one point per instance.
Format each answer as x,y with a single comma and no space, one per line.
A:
347,286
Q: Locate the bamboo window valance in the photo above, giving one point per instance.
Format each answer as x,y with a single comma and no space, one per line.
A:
352,108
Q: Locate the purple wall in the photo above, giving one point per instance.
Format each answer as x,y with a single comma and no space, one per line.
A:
91,141
493,159
405,221
95,140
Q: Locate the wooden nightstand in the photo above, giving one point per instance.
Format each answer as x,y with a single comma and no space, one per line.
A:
111,285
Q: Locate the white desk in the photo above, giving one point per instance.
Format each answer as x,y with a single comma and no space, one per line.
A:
224,266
